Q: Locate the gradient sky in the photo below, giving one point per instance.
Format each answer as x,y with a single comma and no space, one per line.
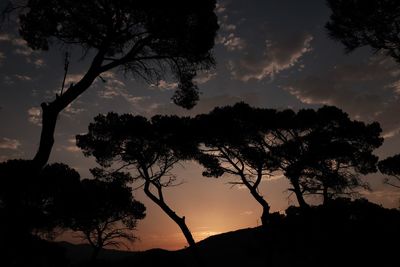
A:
269,53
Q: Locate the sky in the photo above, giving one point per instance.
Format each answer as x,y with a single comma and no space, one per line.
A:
269,53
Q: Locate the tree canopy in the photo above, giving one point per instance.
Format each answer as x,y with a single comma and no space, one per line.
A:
327,151
148,39
320,151
30,201
374,23
391,166
142,37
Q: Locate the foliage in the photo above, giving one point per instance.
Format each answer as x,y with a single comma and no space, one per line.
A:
320,152
31,202
31,209
328,153
391,166
374,23
144,38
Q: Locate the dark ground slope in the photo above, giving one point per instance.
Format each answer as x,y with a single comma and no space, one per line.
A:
346,233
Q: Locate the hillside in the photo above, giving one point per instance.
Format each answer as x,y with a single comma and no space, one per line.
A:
364,234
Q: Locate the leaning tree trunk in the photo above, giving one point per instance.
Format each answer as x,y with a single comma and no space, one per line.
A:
50,111
180,221
264,204
299,195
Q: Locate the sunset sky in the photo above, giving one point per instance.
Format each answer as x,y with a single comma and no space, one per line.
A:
269,53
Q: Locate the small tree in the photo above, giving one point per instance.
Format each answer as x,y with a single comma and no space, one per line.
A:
391,166
152,148
30,211
29,201
106,213
149,39
374,23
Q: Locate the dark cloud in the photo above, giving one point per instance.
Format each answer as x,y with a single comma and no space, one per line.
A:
366,91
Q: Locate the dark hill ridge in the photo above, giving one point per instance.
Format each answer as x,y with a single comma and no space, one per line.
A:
343,234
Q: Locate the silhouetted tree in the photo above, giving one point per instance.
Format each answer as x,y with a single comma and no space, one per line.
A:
326,152
29,210
151,147
391,166
29,200
320,152
233,142
148,39
374,23
106,213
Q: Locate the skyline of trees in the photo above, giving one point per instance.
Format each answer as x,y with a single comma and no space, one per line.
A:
320,151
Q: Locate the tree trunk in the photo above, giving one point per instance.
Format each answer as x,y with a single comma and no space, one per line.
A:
260,200
325,195
51,110
50,113
265,215
95,254
299,195
180,221
49,120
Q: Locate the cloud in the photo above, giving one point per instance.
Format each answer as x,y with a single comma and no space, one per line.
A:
71,147
278,56
247,212
374,87
227,35
39,63
73,110
7,143
114,87
231,41
35,116
164,85
8,80
22,47
200,78
73,78
204,77
220,8
5,37
23,77
273,177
